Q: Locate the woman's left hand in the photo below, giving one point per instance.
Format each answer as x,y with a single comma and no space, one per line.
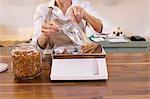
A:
78,14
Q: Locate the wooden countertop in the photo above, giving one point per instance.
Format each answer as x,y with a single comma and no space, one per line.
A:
129,78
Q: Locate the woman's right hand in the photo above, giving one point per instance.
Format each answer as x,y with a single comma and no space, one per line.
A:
49,29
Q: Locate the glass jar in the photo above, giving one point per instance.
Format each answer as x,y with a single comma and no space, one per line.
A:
26,61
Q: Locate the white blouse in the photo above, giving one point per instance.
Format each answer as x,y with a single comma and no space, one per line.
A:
42,10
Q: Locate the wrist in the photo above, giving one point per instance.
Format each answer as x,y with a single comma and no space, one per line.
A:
42,41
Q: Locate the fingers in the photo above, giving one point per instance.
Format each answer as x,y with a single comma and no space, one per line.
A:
50,25
73,18
77,14
76,11
49,29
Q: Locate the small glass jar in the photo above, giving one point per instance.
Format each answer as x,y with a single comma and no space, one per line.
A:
26,61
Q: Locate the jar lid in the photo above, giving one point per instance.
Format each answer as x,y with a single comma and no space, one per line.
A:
3,67
25,47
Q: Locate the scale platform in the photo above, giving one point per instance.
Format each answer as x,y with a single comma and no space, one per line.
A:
79,67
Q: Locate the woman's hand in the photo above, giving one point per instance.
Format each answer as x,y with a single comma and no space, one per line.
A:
49,29
78,14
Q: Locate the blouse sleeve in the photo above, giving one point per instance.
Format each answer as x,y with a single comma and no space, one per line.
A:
38,20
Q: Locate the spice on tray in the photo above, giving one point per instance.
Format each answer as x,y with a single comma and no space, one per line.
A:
89,48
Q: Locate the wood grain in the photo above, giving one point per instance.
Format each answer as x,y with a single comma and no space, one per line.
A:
129,78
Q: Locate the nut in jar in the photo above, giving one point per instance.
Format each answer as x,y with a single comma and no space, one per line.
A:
26,61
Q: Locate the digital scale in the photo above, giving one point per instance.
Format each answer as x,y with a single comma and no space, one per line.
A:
79,67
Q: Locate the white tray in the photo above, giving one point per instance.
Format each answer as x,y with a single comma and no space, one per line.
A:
79,69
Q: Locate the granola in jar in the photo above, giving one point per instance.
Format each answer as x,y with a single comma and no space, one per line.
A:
26,62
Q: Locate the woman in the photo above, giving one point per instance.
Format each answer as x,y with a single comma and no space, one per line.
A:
75,10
